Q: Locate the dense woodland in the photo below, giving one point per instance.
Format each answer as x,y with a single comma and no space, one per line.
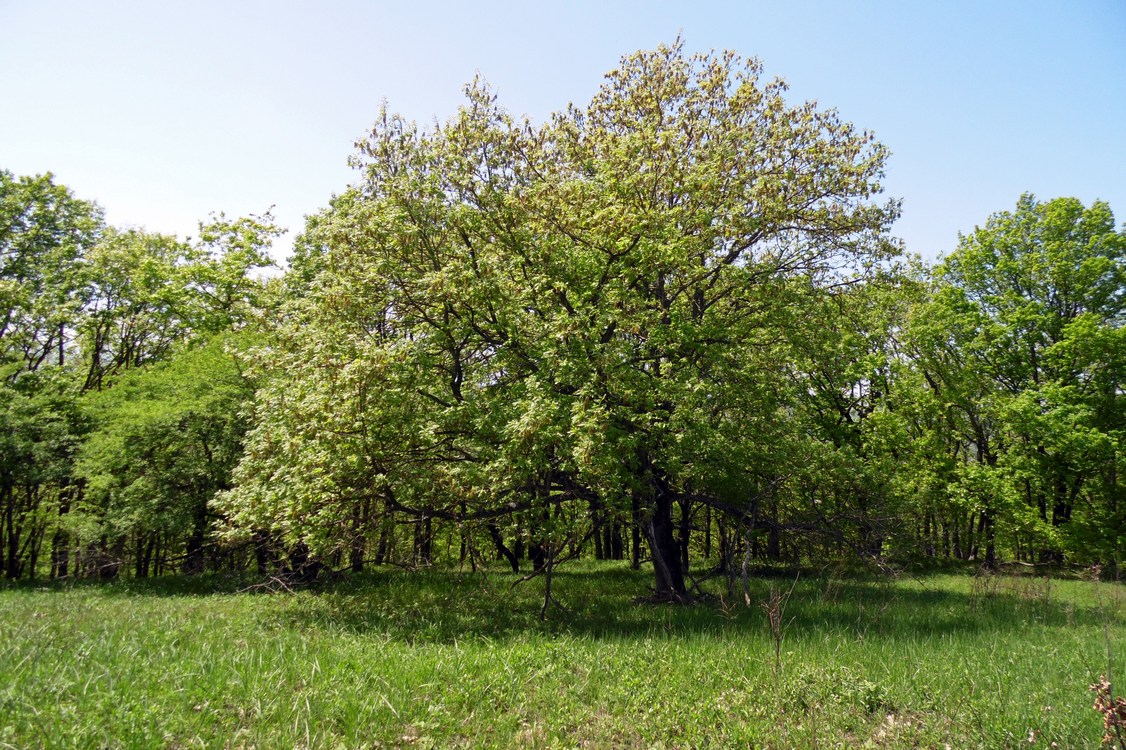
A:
671,327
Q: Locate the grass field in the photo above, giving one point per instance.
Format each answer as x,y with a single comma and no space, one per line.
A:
446,659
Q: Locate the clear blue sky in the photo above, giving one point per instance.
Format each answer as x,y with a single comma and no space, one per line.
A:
165,112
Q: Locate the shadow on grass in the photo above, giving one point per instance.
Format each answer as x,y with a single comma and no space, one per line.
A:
442,607
601,599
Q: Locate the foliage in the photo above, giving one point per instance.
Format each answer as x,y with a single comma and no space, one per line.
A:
507,317
85,306
44,232
670,324
1021,345
166,440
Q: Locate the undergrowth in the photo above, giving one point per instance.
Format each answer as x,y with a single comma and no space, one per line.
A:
452,659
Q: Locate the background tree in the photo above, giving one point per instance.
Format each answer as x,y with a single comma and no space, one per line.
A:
83,306
850,434
166,439
1022,344
44,233
165,330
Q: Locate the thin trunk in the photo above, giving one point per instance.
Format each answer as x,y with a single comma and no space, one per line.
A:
596,522
635,534
358,544
707,532
616,541
194,561
260,540
60,543
12,535
685,530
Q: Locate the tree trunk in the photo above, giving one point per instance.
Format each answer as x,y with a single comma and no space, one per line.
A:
616,541
635,534
358,545
423,540
707,532
502,549
194,554
990,540
667,569
685,531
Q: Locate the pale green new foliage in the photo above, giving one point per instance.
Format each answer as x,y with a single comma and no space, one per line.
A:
507,315
149,292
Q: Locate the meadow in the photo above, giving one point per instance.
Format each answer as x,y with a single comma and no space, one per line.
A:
446,658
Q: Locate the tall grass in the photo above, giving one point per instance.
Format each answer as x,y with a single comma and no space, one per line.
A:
446,659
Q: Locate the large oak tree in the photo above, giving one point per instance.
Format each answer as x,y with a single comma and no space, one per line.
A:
506,318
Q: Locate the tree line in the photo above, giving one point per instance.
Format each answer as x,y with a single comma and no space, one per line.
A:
672,326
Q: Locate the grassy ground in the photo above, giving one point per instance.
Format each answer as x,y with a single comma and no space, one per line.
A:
442,659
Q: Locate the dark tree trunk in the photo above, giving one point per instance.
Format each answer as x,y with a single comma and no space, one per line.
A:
60,541
36,542
140,566
707,532
1061,508
725,552
596,521
502,549
358,545
60,554
537,555
989,532
616,541
774,537
537,538
303,568
383,549
972,540
685,531
356,555
635,534
109,561
194,554
599,530
261,552
667,569
424,541
12,536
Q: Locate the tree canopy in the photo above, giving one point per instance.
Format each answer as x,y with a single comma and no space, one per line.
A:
510,317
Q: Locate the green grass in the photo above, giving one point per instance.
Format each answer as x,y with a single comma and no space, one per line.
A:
441,659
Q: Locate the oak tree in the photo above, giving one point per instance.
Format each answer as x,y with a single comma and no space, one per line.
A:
506,319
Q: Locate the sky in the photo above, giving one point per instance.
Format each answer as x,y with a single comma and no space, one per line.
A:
166,112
